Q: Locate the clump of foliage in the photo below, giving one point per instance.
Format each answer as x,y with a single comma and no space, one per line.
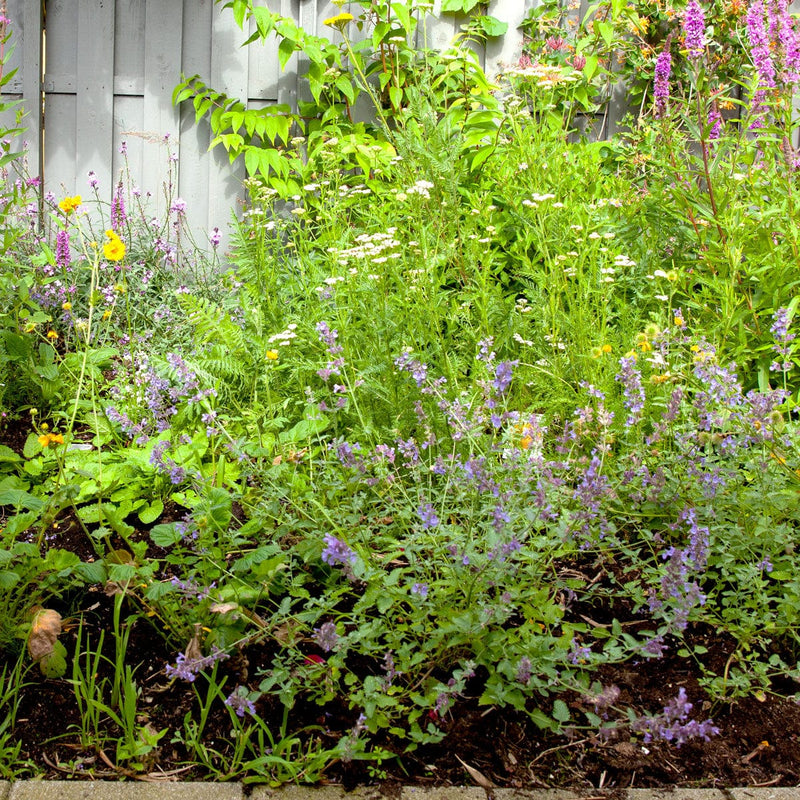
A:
467,377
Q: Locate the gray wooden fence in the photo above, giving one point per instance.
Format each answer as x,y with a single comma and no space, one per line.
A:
93,74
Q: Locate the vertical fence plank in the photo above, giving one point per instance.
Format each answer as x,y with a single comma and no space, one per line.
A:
23,54
129,67
263,68
60,82
162,67
193,183
95,91
287,80
31,78
229,65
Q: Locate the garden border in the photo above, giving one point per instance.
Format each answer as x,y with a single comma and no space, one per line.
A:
163,790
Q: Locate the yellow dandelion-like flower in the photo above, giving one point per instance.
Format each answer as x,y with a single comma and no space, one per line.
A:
52,334
66,306
69,204
107,314
46,439
272,355
339,21
114,248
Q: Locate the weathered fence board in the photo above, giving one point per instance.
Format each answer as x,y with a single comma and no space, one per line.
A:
111,66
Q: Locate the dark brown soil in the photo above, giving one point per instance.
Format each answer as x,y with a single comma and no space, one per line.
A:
758,743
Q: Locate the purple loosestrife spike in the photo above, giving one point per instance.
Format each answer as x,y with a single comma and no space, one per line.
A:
762,60
789,45
759,45
716,122
62,249
118,215
694,30
661,86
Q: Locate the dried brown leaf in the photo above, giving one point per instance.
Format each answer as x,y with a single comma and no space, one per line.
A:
45,630
479,778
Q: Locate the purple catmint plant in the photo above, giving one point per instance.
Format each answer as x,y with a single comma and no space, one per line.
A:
239,701
673,723
680,593
165,464
191,590
502,376
187,669
420,589
328,337
337,553
524,671
603,699
694,30
782,338
326,637
390,672
632,389
428,516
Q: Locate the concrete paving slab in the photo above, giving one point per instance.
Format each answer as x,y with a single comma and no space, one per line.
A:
117,790
678,794
542,794
766,793
4,789
317,793
444,793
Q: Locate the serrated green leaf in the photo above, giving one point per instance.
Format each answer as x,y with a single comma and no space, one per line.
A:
560,711
165,535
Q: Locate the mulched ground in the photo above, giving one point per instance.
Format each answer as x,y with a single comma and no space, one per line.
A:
758,744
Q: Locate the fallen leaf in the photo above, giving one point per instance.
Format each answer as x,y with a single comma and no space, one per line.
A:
45,630
477,776
223,608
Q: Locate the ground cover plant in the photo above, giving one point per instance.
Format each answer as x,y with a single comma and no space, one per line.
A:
475,458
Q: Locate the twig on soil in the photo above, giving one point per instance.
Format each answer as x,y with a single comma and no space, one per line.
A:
556,749
776,779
